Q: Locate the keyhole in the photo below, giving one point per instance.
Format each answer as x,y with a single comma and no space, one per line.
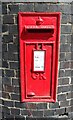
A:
40,46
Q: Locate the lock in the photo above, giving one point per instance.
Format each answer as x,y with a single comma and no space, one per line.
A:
39,35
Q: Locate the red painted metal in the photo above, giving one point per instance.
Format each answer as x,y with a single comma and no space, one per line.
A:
39,35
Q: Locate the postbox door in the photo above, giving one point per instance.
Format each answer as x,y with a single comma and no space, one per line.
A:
39,69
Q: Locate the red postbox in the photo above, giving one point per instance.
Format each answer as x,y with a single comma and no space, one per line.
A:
39,47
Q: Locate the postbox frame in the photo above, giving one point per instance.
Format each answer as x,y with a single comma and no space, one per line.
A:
22,58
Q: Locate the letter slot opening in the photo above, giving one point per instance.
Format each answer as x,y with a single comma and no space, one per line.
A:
40,29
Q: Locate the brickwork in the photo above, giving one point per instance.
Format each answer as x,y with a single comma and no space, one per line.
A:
0,60
53,1
11,105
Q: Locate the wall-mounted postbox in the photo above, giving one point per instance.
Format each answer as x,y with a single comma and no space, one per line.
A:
39,46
